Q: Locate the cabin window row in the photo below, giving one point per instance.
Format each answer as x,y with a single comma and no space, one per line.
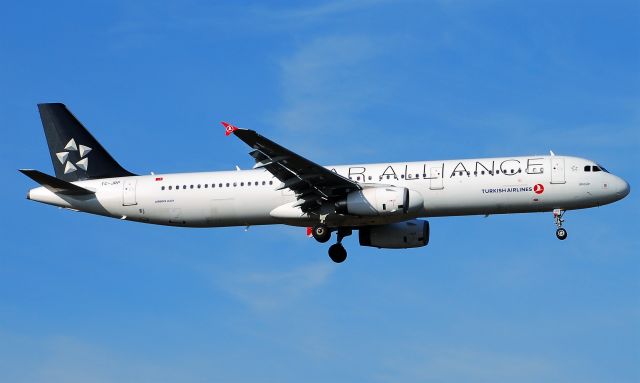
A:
482,172
219,185
459,173
388,176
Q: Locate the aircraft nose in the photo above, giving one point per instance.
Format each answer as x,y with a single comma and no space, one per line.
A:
622,188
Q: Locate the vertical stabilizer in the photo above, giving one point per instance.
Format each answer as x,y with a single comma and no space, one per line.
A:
75,154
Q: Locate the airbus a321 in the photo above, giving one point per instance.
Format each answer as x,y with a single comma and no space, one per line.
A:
385,202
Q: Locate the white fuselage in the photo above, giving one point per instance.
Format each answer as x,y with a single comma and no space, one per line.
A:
448,188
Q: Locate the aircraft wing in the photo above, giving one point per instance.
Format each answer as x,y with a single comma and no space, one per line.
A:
311,182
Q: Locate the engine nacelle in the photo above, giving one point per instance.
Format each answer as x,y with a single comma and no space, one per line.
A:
383,200
401,235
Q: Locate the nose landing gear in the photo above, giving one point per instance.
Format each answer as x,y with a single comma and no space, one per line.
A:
557,217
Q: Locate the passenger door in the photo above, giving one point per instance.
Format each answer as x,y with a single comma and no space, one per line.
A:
129,192
557,170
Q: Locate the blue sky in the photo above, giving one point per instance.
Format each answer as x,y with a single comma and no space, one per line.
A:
498,299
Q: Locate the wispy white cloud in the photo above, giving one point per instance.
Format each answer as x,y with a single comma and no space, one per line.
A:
270,290
324,83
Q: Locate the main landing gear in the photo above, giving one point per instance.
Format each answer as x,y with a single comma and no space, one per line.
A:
557,217
337,252
321,233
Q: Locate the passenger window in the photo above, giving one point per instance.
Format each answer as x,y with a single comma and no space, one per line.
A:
184,186
270,182
417,175
220,185
162,188
198,186
369,178
191,187
388,176
264,183
482,172
235,184
402,176
249,183
169,187
497,171
227,184
512,171
241,183
207,185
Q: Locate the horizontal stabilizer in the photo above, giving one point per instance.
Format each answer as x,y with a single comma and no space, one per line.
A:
54,184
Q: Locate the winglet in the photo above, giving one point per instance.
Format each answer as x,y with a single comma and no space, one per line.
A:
228,128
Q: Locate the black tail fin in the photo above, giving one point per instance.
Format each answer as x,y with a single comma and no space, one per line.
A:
75,154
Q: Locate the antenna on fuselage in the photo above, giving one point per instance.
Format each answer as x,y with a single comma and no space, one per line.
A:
552,153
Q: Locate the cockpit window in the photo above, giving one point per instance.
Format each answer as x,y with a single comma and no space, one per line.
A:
603,169
596,169
587,168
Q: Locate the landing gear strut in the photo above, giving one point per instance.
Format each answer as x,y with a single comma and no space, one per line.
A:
337,252
557,217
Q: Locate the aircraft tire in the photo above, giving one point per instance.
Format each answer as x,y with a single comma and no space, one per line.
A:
321,233
337,253
561,234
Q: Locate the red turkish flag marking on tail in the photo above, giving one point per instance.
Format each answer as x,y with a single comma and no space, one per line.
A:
228,128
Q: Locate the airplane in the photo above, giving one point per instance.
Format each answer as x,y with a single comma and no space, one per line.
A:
387,203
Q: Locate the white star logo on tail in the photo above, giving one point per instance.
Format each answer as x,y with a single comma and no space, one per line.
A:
82,163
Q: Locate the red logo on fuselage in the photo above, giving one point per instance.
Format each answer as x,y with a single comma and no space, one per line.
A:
538,188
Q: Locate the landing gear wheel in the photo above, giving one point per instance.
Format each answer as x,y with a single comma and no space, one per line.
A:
337,253
557,217
561,234
321,233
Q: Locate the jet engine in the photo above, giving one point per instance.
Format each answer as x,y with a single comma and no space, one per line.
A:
382,200
401,235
